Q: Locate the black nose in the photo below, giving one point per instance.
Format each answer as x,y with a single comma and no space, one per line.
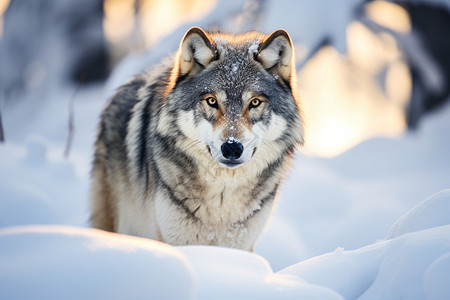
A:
232,149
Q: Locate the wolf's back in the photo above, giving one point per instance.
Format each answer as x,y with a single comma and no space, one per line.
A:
111,154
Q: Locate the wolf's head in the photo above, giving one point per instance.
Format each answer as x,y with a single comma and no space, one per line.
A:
235,95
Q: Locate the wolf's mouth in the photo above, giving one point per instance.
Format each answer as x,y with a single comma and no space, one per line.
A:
231,164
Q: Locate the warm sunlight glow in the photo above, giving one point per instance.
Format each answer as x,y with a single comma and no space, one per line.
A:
158,18
348,99
3,6
399,83
119,19
369,50
96,239
389,15
135,25
344,105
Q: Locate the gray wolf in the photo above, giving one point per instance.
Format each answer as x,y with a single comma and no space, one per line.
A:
194,151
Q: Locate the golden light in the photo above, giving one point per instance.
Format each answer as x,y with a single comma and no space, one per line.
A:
3,6
343,101
97,240
119,19
399,83
135,25
369,50
390,15
159,18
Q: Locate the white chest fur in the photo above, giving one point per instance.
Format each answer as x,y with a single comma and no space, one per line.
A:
178,229
227,215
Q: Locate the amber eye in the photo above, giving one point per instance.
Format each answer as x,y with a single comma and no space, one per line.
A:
255,103
212,102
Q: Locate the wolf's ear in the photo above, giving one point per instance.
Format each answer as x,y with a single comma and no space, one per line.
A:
276,54
197,49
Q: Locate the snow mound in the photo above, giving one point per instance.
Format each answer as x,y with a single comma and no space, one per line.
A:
428,214
437,278
55,262
236,274
405,260
413,264
350,273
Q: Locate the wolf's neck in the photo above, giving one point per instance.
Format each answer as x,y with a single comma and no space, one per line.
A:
233,195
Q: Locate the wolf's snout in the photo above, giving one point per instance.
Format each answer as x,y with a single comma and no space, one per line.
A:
232,149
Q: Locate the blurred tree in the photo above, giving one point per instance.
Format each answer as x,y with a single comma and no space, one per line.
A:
426,49
2,137
48,42
432,25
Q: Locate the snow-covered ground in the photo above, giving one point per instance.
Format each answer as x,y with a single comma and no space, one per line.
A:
56,262
367,224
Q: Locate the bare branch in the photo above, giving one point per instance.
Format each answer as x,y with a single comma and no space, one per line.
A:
2,135
71,117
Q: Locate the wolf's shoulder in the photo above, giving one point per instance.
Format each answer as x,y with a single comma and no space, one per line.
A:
121,103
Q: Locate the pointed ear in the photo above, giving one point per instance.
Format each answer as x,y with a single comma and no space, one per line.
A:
276,54
197,50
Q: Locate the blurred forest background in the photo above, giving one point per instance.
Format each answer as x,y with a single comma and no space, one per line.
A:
365,68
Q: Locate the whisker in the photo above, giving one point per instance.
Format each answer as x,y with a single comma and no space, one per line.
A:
192,144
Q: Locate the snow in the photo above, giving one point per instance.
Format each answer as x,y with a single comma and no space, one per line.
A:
253,48
388,269
235,274
391,268
372,223
436,279
53,262
428,214
405,260
56,262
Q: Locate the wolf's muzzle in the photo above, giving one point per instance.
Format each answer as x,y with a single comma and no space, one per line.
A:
232,149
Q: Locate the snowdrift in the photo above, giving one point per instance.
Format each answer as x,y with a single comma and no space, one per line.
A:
57,262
